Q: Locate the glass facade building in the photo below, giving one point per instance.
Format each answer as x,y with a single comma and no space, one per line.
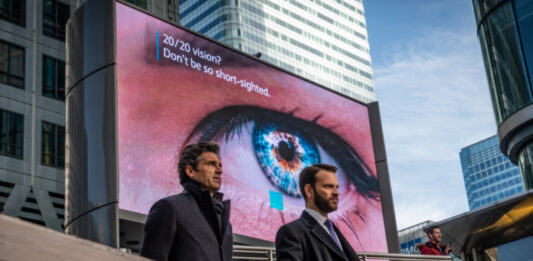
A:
505,30
488,174
323,41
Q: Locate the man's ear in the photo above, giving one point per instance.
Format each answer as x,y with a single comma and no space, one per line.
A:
309,192
189,170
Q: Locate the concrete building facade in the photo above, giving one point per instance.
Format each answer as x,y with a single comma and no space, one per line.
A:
32,105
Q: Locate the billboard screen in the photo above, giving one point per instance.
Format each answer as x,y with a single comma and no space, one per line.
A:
175,87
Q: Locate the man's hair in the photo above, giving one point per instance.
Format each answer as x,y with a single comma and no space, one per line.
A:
190,154
430,229
308,175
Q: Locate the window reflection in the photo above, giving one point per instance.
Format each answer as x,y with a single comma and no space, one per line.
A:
503,59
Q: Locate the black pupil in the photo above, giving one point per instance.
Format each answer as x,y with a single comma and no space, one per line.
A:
286,150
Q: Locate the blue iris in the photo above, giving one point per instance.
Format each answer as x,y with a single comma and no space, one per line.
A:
282,153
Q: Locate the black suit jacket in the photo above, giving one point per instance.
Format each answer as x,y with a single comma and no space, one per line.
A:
185,227
305,239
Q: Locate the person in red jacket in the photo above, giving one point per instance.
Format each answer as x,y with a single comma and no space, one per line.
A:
433,246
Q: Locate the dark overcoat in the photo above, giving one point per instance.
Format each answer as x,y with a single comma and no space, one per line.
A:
185,227
306,240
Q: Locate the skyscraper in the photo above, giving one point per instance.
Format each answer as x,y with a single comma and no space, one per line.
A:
323,41
488,174
506,37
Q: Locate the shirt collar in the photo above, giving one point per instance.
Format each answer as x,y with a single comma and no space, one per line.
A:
317,216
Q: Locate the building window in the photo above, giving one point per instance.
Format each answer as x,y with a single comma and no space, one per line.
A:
140,3
55,16
53,145
53,78
11,136
13,11
11,64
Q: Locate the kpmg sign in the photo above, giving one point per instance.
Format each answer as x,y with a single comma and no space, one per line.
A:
409,247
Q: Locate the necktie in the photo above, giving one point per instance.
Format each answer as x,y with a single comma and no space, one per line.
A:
332,233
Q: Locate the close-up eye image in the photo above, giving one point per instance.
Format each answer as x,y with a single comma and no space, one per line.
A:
269,124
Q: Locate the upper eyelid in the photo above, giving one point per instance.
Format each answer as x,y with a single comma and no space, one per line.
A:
226,122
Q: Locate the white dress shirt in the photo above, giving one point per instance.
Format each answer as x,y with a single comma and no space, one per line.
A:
321,220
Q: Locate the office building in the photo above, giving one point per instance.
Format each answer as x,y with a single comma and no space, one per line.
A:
32,109
32,105
506,37
488,174
323,41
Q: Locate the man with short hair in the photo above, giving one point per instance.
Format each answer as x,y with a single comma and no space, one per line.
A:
314,237
433,246
192,225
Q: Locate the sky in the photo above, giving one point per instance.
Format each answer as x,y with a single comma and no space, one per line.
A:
434,99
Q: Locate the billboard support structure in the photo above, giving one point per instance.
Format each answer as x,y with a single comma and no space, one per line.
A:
91,171
382,168
94,119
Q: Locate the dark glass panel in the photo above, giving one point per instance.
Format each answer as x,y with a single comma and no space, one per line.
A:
16,61
525,161
53,145
4,61
524,16
47,144
53,78
13,11
11,64
482,7
4,120
5,7
55,16
49,72
503,62
48,17
60,147
63,13
19,12
11,138
139,3
60,80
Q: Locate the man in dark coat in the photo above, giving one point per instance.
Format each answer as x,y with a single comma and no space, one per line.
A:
313,237
193,225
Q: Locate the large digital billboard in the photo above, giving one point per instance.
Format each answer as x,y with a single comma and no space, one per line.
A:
175,87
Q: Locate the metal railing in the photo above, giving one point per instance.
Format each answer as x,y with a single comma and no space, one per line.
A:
269,254
254,253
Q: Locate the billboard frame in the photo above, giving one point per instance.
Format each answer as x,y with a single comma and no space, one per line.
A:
91,73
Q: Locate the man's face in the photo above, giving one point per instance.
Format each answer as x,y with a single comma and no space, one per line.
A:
326,196
208,171
436,236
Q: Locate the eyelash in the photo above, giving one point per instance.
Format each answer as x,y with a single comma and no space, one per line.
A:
228,121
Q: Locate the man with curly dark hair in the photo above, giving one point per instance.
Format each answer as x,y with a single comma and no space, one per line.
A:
192,225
